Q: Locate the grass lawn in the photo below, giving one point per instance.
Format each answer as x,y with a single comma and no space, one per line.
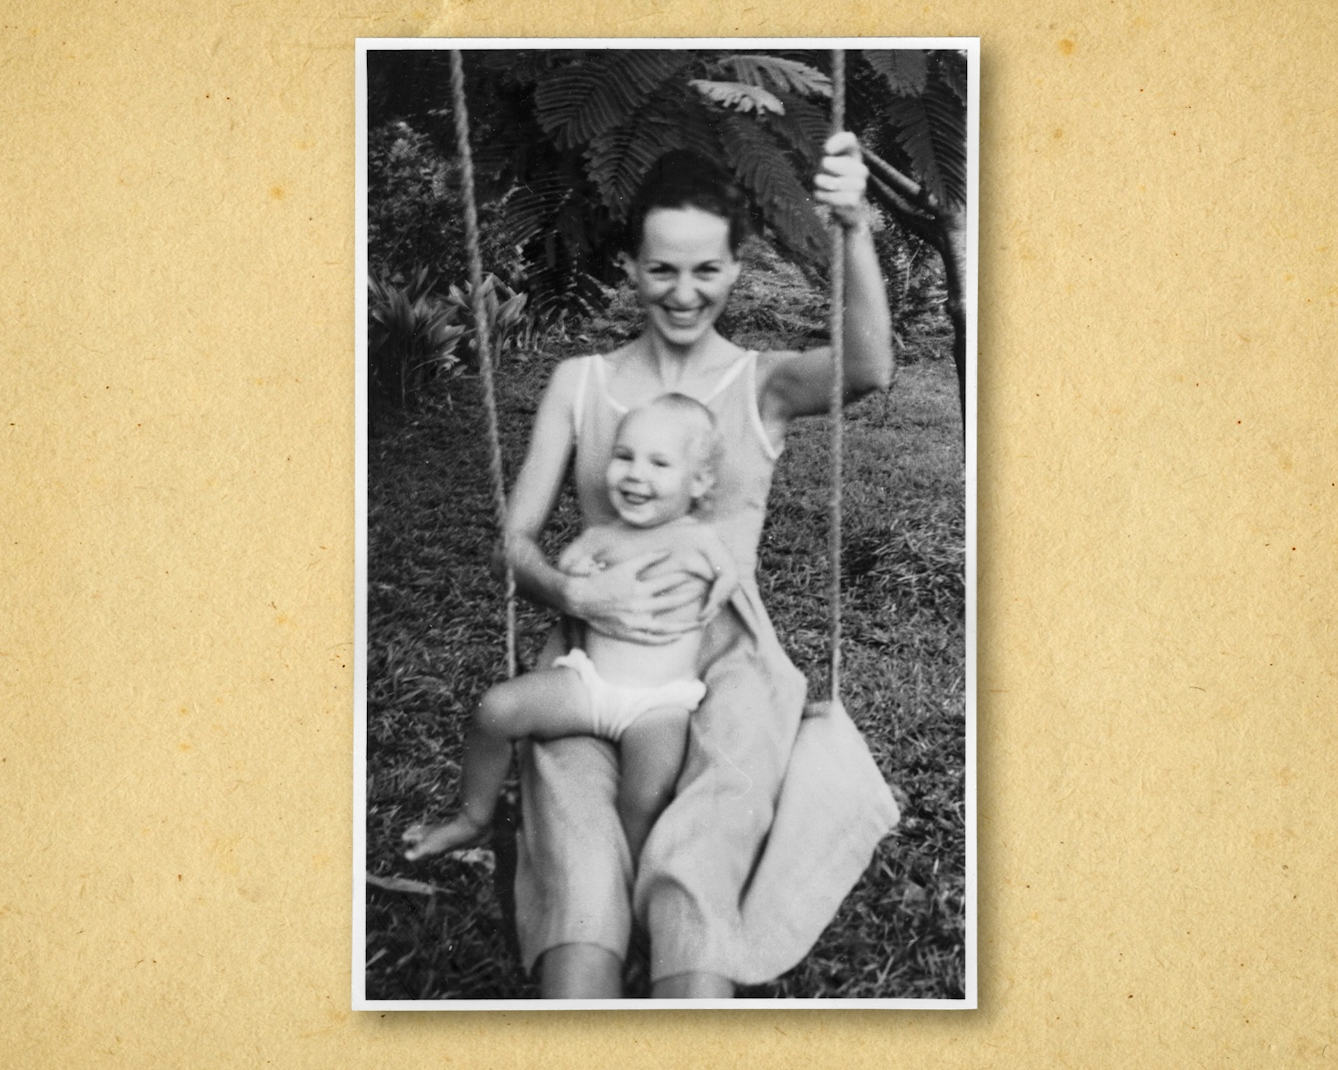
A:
435,623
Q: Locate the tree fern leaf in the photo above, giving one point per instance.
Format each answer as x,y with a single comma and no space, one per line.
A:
947,124
785,75
597,91
531,208
767,173
804,127
739,96
619,158
906,70
914,133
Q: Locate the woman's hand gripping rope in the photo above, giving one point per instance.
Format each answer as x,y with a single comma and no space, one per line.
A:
843,179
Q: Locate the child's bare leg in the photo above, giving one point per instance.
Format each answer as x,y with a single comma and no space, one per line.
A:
544,704
652,751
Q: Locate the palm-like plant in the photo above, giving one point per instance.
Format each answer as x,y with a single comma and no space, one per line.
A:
411,337
504,309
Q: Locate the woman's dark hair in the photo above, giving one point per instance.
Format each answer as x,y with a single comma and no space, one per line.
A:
685,179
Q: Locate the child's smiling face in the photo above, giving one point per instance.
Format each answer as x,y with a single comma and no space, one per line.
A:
657,470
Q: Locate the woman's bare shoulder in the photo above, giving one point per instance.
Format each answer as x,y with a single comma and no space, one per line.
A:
615,358
565,379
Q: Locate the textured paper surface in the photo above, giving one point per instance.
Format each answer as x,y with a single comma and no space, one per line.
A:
1156,543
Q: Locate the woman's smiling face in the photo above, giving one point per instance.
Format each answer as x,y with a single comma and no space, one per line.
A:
683,272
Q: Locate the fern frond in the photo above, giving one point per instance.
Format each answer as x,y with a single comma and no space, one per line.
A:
913,133
785,75
531,208
598,91
739,96
766,171
558,289
804,127
947,117
619,159
906,70
931,130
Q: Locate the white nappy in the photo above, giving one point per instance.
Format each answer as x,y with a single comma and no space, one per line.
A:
614,708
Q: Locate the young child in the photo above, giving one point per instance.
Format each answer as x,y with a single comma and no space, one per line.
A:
637,695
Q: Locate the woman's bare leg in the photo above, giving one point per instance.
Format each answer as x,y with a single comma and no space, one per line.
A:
693,986
580,971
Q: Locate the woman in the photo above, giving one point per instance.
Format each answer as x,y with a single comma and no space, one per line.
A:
773,820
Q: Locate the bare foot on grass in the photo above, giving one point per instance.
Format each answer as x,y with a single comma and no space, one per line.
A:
456,834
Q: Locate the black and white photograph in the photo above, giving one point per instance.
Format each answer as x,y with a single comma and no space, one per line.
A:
665,650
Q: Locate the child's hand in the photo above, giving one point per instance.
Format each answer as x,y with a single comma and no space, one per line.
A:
581,566
721,591
722,576
841,182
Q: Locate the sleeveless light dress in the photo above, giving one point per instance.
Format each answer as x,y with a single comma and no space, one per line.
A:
775,816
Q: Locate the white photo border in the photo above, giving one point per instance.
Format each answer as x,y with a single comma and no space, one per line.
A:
360,1002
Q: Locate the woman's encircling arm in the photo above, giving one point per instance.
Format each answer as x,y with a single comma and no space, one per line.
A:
536,491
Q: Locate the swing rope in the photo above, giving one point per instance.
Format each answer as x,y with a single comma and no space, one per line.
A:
838,283
486,369
479,302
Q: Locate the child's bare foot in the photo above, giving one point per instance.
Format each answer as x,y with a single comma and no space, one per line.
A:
462,831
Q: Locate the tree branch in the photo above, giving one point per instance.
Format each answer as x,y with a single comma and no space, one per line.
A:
899,203
923,228
909,189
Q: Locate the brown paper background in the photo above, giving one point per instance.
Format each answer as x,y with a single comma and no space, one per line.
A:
1157,501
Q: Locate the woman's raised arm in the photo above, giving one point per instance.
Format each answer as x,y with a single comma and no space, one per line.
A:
799,384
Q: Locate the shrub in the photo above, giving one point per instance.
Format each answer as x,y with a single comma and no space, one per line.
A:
411,338
505,310
414,336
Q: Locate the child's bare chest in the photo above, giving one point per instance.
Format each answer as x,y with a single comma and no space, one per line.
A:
619,544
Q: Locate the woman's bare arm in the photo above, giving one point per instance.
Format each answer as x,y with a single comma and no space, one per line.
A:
799,384
536,491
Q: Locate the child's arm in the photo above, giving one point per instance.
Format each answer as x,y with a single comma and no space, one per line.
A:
580,557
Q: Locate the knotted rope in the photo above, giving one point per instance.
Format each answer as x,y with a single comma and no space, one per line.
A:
838,283
481,328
